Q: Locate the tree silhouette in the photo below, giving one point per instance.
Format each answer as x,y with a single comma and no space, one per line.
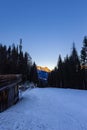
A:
33,74
14,61
84,62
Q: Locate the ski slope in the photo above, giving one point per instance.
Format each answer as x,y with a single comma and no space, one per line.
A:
47,109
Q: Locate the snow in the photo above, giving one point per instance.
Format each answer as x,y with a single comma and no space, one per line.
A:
42,74
47,109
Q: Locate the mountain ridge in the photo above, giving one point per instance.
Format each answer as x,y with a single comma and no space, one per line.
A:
46,69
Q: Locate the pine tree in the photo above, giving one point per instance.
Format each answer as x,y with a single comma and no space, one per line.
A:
14,59
60,71
3,59
33,74
84,52
84,62
66,72
75,68
27,66
20,46
52,78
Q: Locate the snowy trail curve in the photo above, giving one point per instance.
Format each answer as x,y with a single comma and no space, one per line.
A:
47,109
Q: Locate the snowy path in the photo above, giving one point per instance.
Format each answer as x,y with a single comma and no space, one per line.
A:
47,109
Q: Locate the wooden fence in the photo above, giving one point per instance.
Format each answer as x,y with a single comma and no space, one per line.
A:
9,92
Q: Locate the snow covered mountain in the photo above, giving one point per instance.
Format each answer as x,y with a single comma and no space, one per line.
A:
43,72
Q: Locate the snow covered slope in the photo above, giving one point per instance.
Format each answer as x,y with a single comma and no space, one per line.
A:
42,74
47,109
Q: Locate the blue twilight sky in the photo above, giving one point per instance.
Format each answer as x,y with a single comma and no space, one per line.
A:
48,27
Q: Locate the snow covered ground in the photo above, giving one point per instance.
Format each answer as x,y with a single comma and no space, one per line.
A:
47,109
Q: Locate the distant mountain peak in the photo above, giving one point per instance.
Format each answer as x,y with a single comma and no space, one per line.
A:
46,69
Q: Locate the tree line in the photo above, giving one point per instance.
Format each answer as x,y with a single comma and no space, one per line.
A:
14,61
72,71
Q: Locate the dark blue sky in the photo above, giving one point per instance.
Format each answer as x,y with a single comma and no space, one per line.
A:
48,27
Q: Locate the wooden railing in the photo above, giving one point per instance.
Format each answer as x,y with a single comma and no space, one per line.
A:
9,79
9,92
